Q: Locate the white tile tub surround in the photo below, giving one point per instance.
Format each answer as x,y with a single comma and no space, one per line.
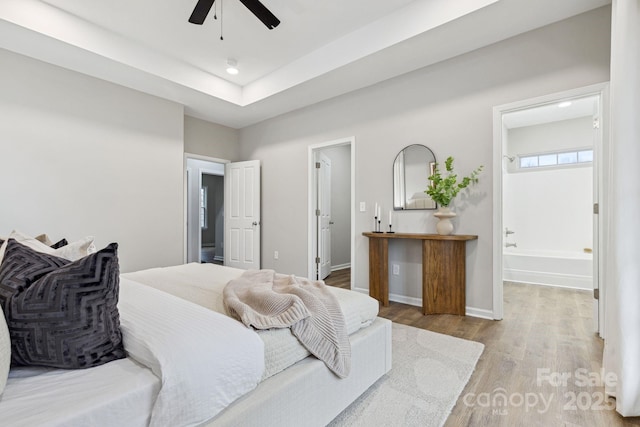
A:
552,268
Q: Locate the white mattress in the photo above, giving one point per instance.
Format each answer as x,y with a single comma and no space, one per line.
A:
203,284
121,393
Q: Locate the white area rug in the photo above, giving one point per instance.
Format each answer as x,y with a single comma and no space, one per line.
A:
429,372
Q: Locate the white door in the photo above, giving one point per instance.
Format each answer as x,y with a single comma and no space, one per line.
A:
323,215
242,215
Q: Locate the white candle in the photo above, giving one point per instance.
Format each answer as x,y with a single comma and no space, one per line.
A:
375,210
380,213
389,216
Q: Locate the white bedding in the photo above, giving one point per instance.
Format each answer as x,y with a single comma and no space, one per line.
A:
177,373
203,284
121,393
205,360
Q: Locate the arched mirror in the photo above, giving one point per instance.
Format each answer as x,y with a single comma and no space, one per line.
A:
411,170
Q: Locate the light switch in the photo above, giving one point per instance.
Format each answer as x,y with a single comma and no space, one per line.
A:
363,207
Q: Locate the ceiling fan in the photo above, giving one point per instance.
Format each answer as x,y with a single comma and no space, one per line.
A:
258,9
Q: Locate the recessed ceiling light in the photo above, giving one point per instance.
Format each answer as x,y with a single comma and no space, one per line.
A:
232,67
564,104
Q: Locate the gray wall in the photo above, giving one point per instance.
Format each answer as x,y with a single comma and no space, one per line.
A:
214,233
448,107
211,139
81,156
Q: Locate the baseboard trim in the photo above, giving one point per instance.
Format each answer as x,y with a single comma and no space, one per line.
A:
574,281
340,267
479,312
519,282
403,299
469,311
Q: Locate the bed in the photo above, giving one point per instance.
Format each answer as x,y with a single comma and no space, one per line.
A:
177,372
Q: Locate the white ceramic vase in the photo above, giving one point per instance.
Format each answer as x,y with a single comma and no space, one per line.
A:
444,226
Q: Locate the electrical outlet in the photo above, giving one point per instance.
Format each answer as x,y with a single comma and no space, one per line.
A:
396,269
275,255
363,207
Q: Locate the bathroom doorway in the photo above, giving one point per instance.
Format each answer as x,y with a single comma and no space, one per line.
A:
547,164
205,210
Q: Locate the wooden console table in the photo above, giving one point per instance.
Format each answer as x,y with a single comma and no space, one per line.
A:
443,270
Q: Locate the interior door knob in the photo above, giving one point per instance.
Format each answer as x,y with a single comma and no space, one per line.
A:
255,223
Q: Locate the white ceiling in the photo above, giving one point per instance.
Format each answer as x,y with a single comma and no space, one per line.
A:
553,112
320,50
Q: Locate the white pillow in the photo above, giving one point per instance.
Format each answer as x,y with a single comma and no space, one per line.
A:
44,239
73,251
5,352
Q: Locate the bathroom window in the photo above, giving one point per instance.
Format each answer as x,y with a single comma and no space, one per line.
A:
529,162
558,159
203,207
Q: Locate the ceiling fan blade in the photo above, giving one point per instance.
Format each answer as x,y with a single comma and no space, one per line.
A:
262,13
201,11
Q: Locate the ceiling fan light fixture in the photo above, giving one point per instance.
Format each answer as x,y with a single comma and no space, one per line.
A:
232,67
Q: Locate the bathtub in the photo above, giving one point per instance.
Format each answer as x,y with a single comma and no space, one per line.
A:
565,269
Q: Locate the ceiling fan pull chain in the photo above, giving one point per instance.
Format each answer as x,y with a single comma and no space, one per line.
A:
221,19
215,11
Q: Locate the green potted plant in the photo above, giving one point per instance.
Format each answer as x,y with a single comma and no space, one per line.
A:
443,188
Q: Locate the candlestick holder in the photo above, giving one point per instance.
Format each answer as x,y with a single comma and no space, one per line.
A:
390,230
376,225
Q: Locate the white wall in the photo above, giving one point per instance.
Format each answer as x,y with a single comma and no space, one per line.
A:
448,107
550,209
81,156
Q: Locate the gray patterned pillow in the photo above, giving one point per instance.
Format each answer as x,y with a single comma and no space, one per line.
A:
61,316
25,268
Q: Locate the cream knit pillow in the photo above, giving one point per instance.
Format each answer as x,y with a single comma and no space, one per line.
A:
72,252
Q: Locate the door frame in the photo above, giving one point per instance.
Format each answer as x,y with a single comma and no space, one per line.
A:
185,193
601,172
321,199
311,222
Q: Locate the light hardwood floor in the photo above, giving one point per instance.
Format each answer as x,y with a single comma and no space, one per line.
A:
546,332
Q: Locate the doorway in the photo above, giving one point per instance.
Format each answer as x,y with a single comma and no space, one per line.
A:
205,209
548,157
212,219
331,209
231,205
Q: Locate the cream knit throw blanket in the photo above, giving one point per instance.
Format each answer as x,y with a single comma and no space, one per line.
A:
263,299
